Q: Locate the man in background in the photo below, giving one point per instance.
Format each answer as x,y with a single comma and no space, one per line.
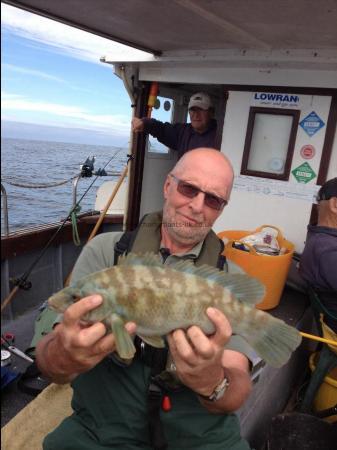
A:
201,132
319,259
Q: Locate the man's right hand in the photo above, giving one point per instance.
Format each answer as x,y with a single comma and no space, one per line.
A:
74,347
137,125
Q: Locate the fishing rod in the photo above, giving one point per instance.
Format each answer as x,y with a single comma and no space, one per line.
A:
22,282
318,338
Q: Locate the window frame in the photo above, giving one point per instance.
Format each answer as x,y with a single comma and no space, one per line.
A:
295,113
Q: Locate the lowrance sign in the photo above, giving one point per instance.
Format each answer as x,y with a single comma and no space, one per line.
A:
268,98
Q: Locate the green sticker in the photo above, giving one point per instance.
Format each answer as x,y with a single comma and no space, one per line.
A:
304,173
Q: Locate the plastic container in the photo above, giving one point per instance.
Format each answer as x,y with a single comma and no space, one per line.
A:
272,270
326,396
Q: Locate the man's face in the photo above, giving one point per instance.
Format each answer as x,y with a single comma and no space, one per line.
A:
200,118
188,220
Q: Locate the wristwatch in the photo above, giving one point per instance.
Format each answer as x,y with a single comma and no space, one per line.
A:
218,391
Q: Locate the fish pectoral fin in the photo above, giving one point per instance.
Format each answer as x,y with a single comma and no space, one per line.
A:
155,341
124,344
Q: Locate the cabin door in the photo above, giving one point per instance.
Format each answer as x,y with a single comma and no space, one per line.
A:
153,160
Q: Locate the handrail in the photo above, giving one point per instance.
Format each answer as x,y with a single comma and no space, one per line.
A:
5,208
75,182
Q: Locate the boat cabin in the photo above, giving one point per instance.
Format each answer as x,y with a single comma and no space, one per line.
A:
270,69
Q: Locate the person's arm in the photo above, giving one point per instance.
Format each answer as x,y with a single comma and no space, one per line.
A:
327,268
73,347
166,133
202,363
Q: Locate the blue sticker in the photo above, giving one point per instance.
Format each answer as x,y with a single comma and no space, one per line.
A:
312,123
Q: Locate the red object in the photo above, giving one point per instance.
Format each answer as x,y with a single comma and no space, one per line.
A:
308,151
9,337
166,403
152,97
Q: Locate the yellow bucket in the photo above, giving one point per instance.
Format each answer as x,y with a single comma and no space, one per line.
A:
272,271
326,396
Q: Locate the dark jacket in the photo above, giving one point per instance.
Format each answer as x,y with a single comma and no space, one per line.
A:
319,265
180,136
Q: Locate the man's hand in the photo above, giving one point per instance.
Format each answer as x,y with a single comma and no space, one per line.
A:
197,357
137,125
202,363
75,347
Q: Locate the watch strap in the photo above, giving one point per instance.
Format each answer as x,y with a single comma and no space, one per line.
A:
218,392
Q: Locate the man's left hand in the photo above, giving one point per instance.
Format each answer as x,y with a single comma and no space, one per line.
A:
197,357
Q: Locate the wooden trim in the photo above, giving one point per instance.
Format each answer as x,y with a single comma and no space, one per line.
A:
137,164
295,113
222,113
326,153
328,142
30,240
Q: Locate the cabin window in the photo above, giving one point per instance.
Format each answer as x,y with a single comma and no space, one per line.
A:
270,141
163,111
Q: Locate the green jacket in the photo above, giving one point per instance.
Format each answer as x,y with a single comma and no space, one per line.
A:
110,401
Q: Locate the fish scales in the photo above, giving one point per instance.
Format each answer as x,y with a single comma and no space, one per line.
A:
161,298
164,297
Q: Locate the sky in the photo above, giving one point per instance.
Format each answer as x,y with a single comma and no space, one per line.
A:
53,85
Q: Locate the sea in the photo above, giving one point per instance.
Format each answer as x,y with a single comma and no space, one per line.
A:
32,163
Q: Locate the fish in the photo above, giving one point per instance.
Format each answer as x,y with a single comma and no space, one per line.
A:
160,298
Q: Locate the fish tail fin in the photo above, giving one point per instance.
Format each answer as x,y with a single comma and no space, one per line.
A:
124,343
274,341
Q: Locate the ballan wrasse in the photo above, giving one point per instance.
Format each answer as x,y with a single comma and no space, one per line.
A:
161,298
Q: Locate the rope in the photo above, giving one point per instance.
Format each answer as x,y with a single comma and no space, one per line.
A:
38,186
76,237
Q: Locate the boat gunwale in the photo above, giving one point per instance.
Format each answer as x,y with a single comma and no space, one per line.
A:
23,241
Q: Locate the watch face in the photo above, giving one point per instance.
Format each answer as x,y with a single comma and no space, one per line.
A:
219,390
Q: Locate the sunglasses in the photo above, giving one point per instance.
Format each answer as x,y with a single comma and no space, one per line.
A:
190,191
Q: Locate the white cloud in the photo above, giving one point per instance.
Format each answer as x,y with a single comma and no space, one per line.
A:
31,72
62,38
75,116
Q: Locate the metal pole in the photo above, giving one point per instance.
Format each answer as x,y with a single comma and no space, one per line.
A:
5,209
75,182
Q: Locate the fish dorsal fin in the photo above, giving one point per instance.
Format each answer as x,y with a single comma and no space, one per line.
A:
244,288
143,259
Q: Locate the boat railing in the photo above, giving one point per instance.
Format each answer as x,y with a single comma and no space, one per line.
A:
4,207
86,171
75,183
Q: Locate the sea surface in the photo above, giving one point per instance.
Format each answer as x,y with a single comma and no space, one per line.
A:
42,162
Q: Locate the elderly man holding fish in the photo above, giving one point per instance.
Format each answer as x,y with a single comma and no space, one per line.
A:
205,375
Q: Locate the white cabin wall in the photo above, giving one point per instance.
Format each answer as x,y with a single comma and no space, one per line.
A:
257,201
210,72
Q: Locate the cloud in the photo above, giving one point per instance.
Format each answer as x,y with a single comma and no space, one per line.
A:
31,72
75,116
31,131
62,38
7,68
